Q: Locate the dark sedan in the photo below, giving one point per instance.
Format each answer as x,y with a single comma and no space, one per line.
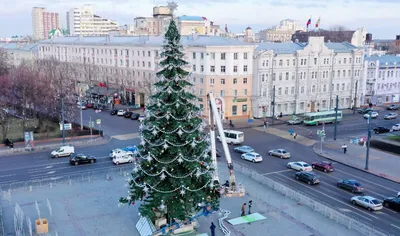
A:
135,116
324,166
365,110
82,159
308,177
380,130
351,185
128,114
113,112
392,203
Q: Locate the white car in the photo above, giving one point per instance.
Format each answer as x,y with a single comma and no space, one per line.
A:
396,127
81,106
252,156
120,112
374,114
299,165
122,159
120,153
141,118
370,203
63,151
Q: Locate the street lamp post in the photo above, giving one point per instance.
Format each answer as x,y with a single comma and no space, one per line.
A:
368,141
62,120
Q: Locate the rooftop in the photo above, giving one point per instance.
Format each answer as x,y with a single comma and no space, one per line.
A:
19,46
385,60
192,18
290,48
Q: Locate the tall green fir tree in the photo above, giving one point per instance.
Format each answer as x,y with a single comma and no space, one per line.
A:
174,171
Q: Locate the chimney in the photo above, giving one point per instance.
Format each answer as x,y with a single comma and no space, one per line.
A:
226,28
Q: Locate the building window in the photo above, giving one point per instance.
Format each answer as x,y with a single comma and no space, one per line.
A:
279,91
245,68
313,89
201,80
301,62
213,56
222,93
273,76
287,76
245,92
287,62
294,62
280,62
234,110
244,108
244,80
301,106
234,81
235,56
343,86
286,90
194,55
212,68
211,81
315,61
324,88
223,55
338,73
201,91
202,68
344,60
245,57
292,90
223,69
234,68
202,55
235,93
262,77
323,103
302,89
280,76
194,67
222,81
149,64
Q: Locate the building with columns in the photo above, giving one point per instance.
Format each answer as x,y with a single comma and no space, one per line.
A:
128,64
281,33
306,77
382,79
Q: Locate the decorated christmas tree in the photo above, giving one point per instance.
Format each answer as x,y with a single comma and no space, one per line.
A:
173,175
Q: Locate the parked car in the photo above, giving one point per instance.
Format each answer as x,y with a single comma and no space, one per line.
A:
128,114
135,116
390,116
98,106
380,130
63,151
122,160
351,185
393,107
82,159
296,121
373,115
141,118
81,106
89,105
217,151
396,127
113,112
120,152
299,165
282,153
392,203
120,112
243,149
324,166
365,110
252,156
368,202
308,177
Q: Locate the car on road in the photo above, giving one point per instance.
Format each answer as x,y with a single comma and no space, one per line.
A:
393,107
141,118
63,151
99,106
90,105
396,127
131,149
365,110
308,177
120,112
128,114
380,130
368,202
351,185
81,106
373,114
120,152
82,159
252,156
296,121
299,165
282,153
390,116
392,203
243,149
217,151
122,160
135,116
324,166
113,112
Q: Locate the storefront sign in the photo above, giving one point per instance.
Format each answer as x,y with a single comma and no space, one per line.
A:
240,100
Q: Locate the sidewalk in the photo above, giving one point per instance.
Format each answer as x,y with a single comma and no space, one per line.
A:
380,163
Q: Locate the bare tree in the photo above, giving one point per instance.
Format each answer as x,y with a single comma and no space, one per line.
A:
4,62
5,97
393,49
90,73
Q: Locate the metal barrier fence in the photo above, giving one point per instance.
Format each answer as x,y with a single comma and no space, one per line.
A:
98,174
324,209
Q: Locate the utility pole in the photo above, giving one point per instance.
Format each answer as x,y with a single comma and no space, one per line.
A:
368,141
91,126
336,111
80,108
355,100
273,105
62,120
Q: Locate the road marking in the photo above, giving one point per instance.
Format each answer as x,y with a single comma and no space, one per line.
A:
344,210
8,182
126,136
395,226
48,167
276,172
1,176
51,172
326,195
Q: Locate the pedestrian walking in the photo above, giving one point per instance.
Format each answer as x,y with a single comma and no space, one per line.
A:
212,227
250,205
231,124
243,209
265,126
291,131
294,135
344,147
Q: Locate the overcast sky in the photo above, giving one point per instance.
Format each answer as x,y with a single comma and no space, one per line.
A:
380,17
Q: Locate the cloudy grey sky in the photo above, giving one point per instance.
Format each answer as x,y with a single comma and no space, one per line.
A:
380,17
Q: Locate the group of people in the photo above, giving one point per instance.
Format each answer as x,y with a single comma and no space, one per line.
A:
8,143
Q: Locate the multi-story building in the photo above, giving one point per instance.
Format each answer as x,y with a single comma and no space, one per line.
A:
281,33
355,37
83,21
382,79
20,52
129,64
305,77
43,22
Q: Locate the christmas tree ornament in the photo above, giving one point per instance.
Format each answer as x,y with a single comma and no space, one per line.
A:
165,146
154,132
180,132
162,176
180,160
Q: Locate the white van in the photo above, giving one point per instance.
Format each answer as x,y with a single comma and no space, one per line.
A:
63,151
233,137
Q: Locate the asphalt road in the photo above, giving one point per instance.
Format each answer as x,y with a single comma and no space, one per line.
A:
326,192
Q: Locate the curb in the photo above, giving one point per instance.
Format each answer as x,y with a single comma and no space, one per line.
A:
357,168
85,143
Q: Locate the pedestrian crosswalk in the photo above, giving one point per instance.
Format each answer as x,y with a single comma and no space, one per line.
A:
126,136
